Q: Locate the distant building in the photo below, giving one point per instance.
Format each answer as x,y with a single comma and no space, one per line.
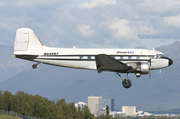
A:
81,105
100,112
108,102
129,109
94,103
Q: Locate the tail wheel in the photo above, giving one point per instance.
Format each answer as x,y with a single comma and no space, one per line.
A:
126,83
34,66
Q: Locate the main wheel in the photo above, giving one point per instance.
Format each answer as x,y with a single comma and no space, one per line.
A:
126,83
34,66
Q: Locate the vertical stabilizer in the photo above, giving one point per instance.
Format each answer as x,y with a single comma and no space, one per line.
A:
21,40
27,42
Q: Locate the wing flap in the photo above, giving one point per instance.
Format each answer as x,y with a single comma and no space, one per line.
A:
107,63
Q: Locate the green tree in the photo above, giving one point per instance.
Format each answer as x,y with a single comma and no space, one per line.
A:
17,102
73,110
101,117
7,98
107,112
68,111
62,107
1,92
87,113
54,112
61,110
80,113
1,100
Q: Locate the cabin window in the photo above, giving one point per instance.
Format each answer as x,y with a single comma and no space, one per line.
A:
159,55
162,55
138,57
81,57
129,57
89,57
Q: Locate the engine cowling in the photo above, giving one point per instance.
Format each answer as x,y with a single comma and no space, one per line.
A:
142,68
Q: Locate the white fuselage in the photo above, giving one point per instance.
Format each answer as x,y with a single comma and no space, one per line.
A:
85,58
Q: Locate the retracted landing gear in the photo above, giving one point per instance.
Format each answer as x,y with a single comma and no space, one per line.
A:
34,66
126,82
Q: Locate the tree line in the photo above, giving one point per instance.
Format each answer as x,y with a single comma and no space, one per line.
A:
38,106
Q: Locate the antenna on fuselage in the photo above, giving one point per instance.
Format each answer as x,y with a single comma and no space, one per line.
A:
74,47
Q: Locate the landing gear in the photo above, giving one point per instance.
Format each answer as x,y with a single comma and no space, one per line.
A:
126,82
34,66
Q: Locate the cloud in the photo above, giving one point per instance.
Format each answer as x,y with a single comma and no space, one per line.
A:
172,21
95,3
122,31
9,24
31,3
85,30
145,30
115,23
2,3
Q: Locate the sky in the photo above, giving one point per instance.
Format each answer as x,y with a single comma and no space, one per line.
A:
93,23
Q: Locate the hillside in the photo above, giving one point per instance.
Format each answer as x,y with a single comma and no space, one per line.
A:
172,51
10,66
159,93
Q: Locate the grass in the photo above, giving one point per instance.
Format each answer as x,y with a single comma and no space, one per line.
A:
9,117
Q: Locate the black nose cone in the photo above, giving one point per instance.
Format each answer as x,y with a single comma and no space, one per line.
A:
170,62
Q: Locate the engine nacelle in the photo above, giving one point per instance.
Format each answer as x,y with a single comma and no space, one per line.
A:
142,68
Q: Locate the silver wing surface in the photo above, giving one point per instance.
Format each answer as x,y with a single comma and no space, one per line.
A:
107,63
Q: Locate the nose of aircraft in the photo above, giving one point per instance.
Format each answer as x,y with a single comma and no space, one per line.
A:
170,62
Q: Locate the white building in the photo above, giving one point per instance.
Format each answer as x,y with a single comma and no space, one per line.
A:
81,105
94,104
129,110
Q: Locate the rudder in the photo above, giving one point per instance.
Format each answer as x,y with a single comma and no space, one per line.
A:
27,41
21,40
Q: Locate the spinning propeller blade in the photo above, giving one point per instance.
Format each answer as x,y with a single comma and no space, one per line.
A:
150,68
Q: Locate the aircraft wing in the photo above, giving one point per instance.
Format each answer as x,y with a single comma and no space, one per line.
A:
107,63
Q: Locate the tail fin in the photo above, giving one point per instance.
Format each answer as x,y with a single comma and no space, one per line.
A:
26,42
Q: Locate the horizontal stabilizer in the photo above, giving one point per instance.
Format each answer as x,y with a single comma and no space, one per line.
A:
27,57
107,63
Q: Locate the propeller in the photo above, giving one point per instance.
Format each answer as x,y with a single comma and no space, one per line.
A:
150,63
150,68
160,71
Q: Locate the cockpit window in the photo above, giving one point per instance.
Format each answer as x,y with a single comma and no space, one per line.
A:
159,55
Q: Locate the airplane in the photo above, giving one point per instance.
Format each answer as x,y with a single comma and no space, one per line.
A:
138,61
